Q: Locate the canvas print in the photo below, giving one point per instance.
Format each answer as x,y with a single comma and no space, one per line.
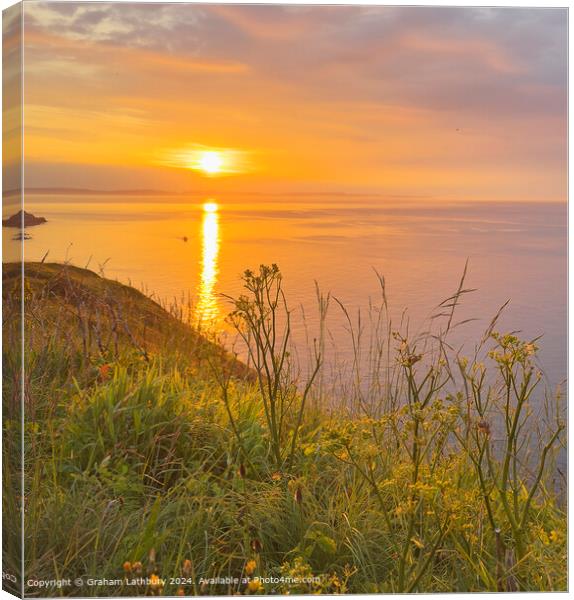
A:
284,299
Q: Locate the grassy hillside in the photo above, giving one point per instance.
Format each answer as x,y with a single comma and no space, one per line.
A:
153,453
100,317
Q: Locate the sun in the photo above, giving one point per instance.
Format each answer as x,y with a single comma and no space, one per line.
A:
210,162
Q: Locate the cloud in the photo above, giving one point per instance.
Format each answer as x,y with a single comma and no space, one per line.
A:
325,92
513,59
118,23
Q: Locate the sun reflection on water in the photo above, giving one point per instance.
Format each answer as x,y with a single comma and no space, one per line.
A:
207,308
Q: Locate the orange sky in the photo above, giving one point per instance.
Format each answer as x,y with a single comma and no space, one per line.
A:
446,103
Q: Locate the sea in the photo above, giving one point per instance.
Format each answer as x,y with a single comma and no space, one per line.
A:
190,247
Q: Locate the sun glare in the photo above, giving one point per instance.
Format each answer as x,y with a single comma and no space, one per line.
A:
210,207
210,162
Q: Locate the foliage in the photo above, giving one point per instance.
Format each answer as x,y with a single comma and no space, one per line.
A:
168,469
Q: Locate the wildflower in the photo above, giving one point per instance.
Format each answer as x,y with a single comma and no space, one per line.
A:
155,583
186,568
554,536
127,566
335,582
256,545
137,567
276,476
180,592
410,359
255,586
342,454
250,567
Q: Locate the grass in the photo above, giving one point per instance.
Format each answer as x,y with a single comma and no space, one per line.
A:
155,457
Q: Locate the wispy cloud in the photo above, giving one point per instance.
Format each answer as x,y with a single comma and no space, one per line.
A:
473,100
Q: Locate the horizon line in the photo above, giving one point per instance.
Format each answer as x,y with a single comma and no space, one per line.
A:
153,192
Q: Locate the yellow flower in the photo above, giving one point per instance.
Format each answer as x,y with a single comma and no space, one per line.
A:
255,586
555,536
250,567
342,454
335,582
155,582
127,566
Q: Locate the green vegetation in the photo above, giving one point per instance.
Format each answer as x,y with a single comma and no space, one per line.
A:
151,451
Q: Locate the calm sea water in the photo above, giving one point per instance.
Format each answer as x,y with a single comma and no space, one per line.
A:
515,251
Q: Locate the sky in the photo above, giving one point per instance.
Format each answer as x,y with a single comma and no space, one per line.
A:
441,103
